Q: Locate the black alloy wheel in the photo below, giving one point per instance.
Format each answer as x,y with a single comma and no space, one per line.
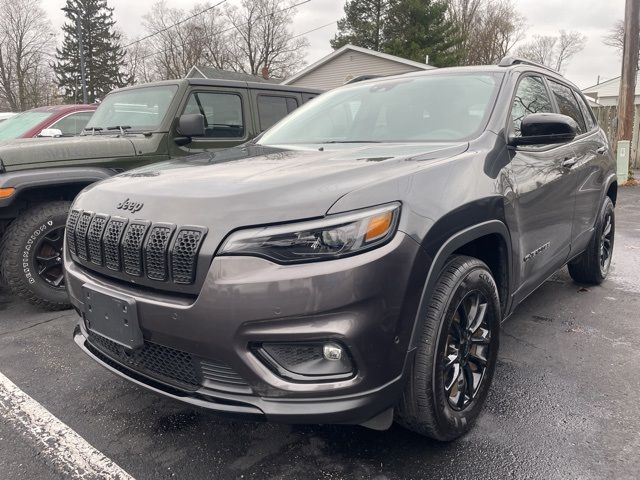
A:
48,258
606,243
467,351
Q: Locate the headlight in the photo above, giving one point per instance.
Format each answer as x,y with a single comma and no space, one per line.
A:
332,237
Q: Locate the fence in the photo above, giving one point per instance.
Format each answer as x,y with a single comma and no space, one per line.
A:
608,119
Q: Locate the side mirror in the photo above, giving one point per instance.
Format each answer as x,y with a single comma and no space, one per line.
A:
50,133
545,129
191,125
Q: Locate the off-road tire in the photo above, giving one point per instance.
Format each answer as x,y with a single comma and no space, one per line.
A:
424,407
587,267
17,254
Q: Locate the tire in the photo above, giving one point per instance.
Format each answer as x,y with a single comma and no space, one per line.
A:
592,266
426,407
31,235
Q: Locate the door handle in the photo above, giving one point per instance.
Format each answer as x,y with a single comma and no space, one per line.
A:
602,150
569,162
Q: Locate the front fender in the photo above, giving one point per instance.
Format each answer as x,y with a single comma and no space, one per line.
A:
48,177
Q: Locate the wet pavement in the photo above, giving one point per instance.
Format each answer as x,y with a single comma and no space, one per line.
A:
563,402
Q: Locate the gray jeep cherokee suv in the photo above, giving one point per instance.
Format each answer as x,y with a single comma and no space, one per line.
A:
354,263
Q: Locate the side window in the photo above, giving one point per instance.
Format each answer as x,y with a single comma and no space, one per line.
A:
531,97
222,113
272,109
586,112
568,105
73,124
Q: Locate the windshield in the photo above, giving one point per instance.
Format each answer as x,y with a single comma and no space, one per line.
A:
140,108
17,126
440,107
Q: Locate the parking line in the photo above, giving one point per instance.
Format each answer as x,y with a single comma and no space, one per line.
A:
61,445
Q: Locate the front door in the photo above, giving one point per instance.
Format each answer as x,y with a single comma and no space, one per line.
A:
543,193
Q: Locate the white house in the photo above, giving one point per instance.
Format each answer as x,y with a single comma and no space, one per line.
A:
349,62
606,93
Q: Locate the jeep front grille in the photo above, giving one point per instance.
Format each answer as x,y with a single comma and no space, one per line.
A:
158,251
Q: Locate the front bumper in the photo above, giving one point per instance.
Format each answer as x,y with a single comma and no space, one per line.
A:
359,302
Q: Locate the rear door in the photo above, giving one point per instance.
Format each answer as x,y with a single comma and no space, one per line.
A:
271,106
543,191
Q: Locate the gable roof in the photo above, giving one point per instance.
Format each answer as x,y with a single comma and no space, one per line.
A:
610,88
219,74
353,48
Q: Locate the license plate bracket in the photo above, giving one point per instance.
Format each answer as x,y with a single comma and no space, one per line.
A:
112,315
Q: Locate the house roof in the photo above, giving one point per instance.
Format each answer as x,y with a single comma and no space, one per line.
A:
219,74
341,50
610,88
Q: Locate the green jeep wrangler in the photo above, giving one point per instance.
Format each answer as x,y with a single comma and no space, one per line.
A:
133,126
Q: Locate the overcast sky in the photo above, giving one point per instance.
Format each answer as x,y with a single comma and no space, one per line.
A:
591,17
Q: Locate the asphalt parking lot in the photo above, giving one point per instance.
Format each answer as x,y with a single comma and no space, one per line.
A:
563,403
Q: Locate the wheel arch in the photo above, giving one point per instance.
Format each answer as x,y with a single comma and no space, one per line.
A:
468,241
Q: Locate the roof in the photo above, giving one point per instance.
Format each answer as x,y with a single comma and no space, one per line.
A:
340,51
206,82
65,108
219,74
610,88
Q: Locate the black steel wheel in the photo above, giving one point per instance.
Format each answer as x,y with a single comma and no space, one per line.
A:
592,266
31,255
451,372
467,351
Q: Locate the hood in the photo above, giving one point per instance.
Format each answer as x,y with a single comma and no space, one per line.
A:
255,185
17,154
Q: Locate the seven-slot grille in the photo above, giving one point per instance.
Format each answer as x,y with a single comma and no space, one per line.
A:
159,251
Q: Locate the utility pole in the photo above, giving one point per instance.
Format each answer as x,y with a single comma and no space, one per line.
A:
83,74
626,102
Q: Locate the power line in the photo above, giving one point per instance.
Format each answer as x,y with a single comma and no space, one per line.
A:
233,28
175,24
314,29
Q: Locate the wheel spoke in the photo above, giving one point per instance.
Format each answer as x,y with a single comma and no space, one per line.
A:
607,228
479,361
479,318
462,388
454,378
469,383
455,331
59,280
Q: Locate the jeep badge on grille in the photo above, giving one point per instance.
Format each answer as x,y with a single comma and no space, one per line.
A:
129,205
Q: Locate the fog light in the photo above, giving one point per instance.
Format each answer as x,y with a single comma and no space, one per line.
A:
307,361
332,351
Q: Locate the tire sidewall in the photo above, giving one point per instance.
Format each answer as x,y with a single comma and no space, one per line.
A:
607,208
453,423
19,263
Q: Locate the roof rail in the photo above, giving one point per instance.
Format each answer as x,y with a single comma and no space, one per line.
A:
362,78
510,61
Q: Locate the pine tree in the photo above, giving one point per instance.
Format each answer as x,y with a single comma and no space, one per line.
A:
362,25
103,52
417,28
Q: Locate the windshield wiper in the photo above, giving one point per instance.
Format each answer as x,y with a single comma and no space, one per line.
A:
123,128
351,141
93,129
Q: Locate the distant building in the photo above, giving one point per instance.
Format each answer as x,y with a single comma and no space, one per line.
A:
606,93
218,74
349,62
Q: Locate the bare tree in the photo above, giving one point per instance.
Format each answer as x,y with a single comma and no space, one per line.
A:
173,50
25,34
262,37
615,36
489,28
553,51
